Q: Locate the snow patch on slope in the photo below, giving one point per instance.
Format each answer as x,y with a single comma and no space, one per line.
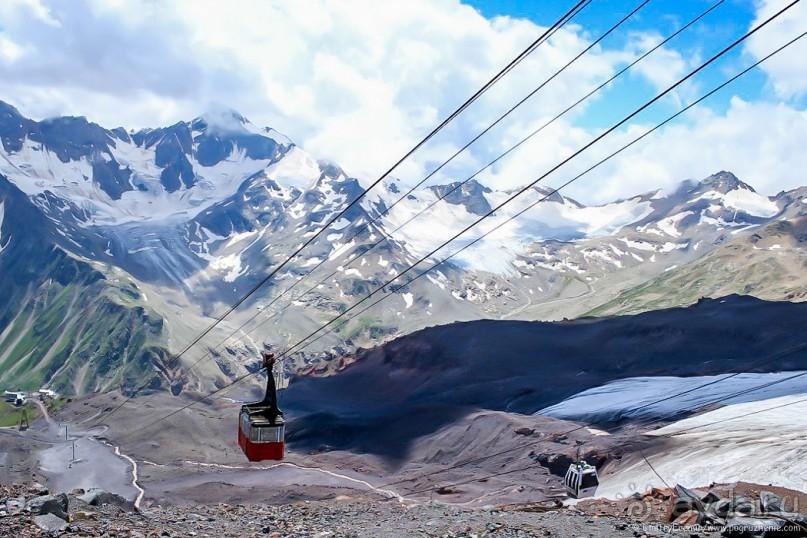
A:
634,397
670,225
726,445
35,169
231,264
496,252
296,169
744,200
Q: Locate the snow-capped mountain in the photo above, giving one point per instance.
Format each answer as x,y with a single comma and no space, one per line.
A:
77,170
176,223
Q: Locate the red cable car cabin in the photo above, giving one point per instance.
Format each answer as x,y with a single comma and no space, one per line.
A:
261,429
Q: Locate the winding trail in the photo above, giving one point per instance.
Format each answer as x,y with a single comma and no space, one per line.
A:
44,410
530,300
385,492
521,308
140,491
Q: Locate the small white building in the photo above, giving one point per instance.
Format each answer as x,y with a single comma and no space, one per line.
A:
47,393
16,397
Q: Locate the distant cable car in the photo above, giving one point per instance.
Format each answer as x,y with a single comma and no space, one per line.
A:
261,429
581,479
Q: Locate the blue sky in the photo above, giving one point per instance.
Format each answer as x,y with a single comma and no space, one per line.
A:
719,28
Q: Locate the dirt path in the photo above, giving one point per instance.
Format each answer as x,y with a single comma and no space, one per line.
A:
353,482
44,410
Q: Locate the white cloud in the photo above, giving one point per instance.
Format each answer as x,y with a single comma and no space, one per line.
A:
356,81
360,81
762,143
788,70
662,68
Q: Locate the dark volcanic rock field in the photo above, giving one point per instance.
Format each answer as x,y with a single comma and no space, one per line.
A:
418,383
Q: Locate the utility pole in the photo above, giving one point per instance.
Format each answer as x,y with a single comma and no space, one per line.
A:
24,420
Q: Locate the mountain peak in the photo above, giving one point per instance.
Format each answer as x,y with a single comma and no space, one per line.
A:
221,118
724,182
471,195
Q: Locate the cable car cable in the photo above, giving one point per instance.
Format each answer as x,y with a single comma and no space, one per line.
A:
501,74
405,195
751,32
412,189
564,161
443,164
390,235
647,461
678,83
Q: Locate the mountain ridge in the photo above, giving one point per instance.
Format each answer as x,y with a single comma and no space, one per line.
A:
193,245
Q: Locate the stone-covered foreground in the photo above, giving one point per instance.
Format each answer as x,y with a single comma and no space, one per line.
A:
739,510
32,511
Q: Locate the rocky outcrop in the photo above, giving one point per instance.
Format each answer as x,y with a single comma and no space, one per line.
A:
48,504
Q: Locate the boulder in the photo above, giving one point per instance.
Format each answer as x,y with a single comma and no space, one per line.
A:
99,498
710,497
743,505
557,464
770,503
50,523
682,501
720,508
15,506
48,504
39,489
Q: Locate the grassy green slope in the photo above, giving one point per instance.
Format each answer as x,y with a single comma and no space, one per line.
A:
79,332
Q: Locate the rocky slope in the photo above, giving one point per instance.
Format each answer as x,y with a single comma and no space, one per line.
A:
338,519
645,515
416,384
769,263
171,225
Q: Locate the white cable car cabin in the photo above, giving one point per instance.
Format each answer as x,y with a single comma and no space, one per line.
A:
261,428
581,480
